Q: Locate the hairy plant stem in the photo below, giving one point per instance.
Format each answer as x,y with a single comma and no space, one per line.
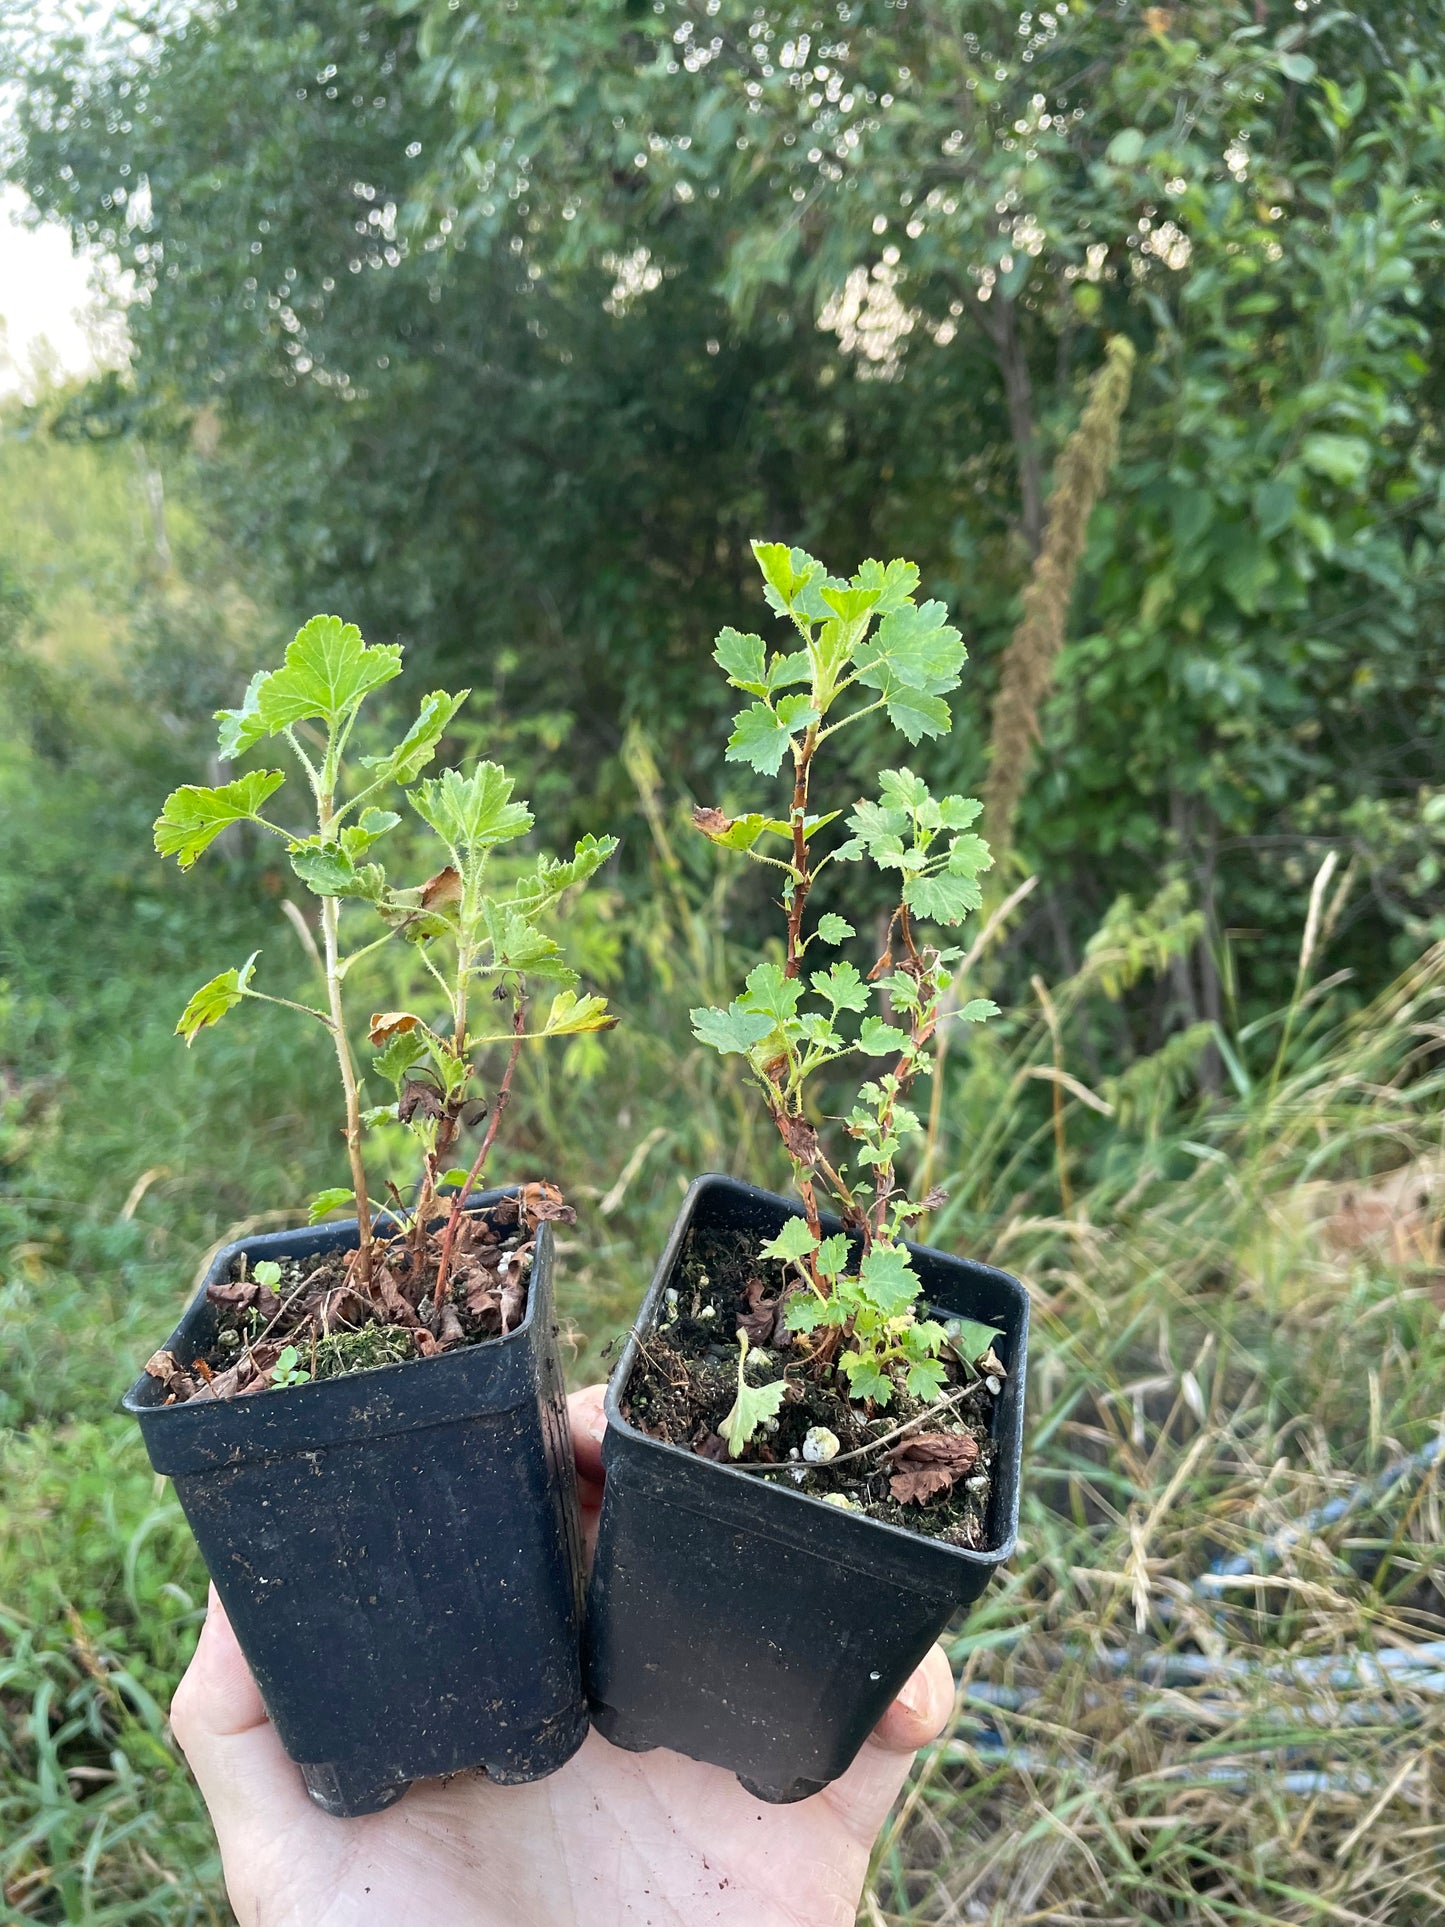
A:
459,1202
802,878
330,918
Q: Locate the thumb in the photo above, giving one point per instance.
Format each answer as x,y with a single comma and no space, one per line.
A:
252,1789
920,1713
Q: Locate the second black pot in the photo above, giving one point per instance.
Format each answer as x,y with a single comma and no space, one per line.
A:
398,1549
741,1621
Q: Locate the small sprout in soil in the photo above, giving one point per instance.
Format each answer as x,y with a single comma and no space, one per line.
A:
856,648
286,1370
755,1406
268,1273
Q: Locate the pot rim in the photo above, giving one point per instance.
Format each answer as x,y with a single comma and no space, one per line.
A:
617,1383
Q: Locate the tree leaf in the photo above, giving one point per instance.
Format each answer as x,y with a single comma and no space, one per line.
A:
538,892
866,1377
942,898
887,1280
842,986
209,1004
327,673
471,814
325,868
832,1255
976,1011
769,991
835,929
761,735
971,1339
192,817
404,1048
417,748
878,1039
733,1031
571,1014
743,660
338,1198
792,1244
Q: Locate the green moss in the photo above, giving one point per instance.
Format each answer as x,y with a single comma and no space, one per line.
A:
358,1351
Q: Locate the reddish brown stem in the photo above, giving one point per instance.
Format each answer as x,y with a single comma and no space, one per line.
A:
459,1202
802,877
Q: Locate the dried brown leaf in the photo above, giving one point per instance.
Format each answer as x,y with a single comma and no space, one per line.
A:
760,1319
444,887
800,1138
930,1464
386,1024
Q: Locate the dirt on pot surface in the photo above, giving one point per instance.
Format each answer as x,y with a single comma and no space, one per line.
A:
320,1321
934,1479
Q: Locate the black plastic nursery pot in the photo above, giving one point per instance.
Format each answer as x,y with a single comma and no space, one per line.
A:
741,1621
398,1549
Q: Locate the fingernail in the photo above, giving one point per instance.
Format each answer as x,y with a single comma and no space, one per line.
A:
596,1427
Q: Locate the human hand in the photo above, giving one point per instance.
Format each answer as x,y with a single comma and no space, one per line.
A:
614,1839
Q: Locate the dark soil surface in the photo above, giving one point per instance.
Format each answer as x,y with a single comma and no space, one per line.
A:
685,1382
321,1321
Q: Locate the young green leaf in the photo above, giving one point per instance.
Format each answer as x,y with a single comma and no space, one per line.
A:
743,660
887,1279
761,735
866,1377
878,1039
753,1407
337,1198
769,992
370,827
210,1003
976,1011
733,1031
832,1255
403,1050
471,814
327,673
926,1379
192,817
842,986
455,1178
894,585
538,892
267,1272
942,898
834,929
970,1338
405,763
792,1244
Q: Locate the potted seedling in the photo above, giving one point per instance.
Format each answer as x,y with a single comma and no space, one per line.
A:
364,1420
814,1432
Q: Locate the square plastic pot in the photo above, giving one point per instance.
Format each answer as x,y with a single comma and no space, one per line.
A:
741,1621
398,1549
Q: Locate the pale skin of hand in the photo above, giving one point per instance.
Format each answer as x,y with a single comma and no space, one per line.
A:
613,1840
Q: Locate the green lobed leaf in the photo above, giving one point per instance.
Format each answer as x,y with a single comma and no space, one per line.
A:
417,748
842,986
835,929
743,660
471,814
942,898
792,1244
733,1031
878,1039
327,673
866,1378
977,1010
192,817
753,1406
772,993
338,1198
405,1049
535,893
926,1379
209,1004
372,825
519,945
969,856
887,1280
895,584
832,1255
570,1015
761,735
970,1338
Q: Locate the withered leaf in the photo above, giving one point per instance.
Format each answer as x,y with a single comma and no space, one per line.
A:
341,1310
542,1204
426,1345
711,1446
386,1024
240,1296
392,1300
990,1365
162,1365
800,1138
761,1316
444,887
418,1095
710,821
451,1332
930,1464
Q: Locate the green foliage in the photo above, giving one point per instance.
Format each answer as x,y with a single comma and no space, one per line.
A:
193,818
927,844
209,1004
754,1406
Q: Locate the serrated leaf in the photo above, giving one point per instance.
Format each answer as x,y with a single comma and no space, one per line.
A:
761,735
887,1280
842,986
969,856
357,838
958,812
916,647
787,574
752,1408
900,789
570,1015
769,991
977,1010
942,898
894,585
241,729
792,1243
878,1039
835,929
325,868
519,945
338,1198
733,1031
925,1379
472,814
805,1312
866,1378
743,660
832,1255
404,1048
416,749
327,672
916,715
553,875
193,817
209,1004
742,832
